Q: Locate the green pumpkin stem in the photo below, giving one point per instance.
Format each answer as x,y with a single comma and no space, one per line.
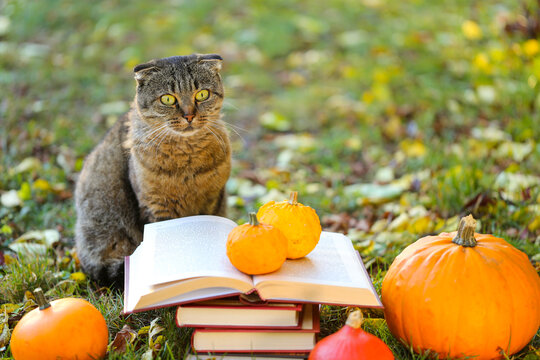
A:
253,219
355,319
40,299
293,200
465,232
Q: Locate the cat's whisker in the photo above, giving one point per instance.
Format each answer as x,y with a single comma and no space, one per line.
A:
147,136
211,122
218,118
162,136
228,103
145,140
150,140
219,139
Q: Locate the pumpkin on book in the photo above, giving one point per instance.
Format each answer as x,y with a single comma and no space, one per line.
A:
255,248
299,223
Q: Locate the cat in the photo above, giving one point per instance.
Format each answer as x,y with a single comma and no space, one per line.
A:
168,157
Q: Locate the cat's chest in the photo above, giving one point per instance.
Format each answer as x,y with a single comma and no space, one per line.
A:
188,179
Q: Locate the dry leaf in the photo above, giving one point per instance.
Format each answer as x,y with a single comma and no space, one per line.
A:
122,339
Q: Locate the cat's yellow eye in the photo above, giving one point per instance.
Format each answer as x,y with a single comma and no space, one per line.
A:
168,99
202,95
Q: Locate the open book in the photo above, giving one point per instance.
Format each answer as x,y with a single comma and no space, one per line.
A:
184,260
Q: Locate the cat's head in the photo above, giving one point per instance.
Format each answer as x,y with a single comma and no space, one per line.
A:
184,93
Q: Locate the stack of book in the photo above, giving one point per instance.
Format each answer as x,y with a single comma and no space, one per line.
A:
183,262
237,329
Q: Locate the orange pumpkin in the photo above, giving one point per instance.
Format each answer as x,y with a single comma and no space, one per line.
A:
255,248
299,223
67,328
462,294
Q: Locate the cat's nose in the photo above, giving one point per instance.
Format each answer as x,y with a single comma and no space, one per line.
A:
189,117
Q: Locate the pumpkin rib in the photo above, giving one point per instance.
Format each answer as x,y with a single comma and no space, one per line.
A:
416,296
452,322
517,286
485,276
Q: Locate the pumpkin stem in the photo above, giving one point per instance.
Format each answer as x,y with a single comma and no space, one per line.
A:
293,200
253,219
465,232
40,299
355,319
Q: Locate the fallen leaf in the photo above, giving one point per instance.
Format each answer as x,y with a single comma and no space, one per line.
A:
28,164
10,199
5,333
471,30
514,150
25,192
42,185
155,329
47,237
373,193
413,148
490,134
122,339
275,121
78,276
28,249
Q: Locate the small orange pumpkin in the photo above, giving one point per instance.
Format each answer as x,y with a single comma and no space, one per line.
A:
256,248
299,223
462,294
67,328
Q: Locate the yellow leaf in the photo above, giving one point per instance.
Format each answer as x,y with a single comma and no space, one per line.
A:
481,63
531,47
41,184
471,30
8,259
78,277
413,148
535,224
25,193
368,97
399,223
420,225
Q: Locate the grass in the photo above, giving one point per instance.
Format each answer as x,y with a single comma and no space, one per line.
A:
342,93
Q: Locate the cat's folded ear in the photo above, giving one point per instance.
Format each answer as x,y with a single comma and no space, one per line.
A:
212,61
142,71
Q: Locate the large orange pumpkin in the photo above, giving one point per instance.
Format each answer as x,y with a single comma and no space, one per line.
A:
462,294
68,328
299,223
256,248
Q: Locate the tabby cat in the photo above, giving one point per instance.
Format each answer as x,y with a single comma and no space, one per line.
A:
169,157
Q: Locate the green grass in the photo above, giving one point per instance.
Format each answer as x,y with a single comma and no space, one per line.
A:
340,93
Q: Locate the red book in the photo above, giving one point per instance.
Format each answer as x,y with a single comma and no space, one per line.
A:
233,340
233,313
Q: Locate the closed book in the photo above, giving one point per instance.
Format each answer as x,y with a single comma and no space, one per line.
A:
233,313
260,340
185,260
246,356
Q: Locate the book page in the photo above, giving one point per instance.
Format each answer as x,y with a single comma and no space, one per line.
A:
189,247
334,261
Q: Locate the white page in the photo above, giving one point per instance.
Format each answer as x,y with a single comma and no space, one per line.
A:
334,261
189,247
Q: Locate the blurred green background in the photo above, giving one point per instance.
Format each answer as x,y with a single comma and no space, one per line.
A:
391,118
